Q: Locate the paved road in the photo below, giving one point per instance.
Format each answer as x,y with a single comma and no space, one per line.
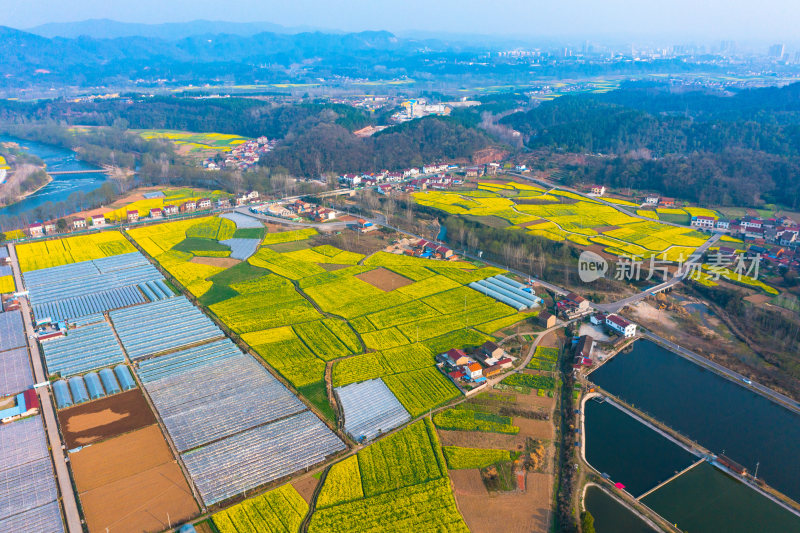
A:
679,276
62,473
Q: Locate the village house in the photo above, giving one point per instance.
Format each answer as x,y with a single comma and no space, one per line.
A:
723,224
651,199
474,370
621,326
455,357
703,222
133,215
170,210
36,229
188,207
597,319
50,227
579,301
98,220
204,203
584,347
156,213
667,202
599,190
493,370
546,319
79,223
474,172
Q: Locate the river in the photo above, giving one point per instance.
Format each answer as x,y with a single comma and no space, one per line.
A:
57,159
711,410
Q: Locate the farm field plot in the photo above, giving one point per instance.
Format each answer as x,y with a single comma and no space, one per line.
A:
7,284
563,215
83,349
89,287
123,494
190,388
163,325
15,371
51,253
243,221
27,483
196,142
282,509
12,330
104,418
404,485
260,455
384,279
461,458
370,409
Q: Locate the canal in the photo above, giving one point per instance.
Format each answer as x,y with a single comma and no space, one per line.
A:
57,159
611,516
628,451
711,410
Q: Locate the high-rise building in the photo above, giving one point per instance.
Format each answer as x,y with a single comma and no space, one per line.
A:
777,51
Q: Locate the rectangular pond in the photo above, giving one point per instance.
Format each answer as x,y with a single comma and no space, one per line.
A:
711,410
706,500
628,451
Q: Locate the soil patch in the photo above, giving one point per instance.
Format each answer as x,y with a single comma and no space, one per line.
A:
520,511
758,299
384,279
331,266
601,229
224,262
305,487
107,417
131,483
533,223
147,501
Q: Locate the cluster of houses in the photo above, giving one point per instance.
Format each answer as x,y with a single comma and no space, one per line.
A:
573,306
372,179
297,210
39,229
242,156
486,361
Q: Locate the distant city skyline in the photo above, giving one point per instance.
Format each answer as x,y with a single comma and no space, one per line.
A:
767,21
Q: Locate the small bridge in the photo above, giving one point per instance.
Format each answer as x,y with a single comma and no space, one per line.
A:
65,172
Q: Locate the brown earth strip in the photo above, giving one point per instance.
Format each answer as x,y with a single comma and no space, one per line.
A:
224,262
384,279
330,267
107,417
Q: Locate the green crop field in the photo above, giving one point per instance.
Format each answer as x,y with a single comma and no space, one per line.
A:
282,509
532,381
461,419
297,315
462,458
397,484
220,142
563,215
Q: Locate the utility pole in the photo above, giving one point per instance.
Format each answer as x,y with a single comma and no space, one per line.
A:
755,476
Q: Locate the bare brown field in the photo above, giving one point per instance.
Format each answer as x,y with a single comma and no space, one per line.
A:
224,262
510,512
132,483
305,487
107,417
120,457
384,279
147,501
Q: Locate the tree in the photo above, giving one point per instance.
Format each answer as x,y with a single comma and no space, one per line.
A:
587,522
61,225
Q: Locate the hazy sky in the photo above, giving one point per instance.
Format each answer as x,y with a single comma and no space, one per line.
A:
768,20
